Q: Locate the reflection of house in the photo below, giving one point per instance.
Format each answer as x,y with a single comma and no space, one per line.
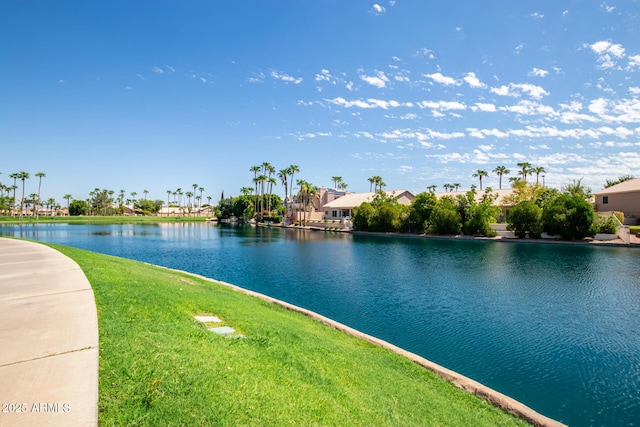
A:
343,206
623,197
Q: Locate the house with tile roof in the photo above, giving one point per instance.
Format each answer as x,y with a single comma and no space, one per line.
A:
623,197
342,207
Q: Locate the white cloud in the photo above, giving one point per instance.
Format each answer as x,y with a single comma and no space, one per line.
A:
473,81
486,108
504,91
634,61
324,75
379,80
537,72
256,78
369,103
607,52
376,9
598,106
442,105
537,15
444,80
285,77
536,92
634,90
157,70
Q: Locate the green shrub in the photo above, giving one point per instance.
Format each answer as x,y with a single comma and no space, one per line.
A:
525,217
606,225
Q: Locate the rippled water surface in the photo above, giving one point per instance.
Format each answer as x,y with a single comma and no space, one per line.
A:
556,327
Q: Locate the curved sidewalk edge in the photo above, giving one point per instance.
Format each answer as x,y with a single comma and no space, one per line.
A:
48,337
494,397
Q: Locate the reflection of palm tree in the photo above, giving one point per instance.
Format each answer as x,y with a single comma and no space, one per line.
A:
479,174
501,170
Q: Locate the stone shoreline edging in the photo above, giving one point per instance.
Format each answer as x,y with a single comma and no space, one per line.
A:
494,397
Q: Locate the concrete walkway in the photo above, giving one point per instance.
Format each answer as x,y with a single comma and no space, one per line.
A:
48,339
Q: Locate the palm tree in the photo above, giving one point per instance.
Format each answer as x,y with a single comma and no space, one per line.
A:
133,196
292,171
201,190
245,191
33,199
51,202
432,188
282,174
39,175
336,180
255,170
371,181
68,197
447,187
22,176
456,186
145,194
479,174
271,182
501,170
195,188
525,169
538,170
168,194
15,176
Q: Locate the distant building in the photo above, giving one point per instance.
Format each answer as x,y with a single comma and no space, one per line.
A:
623,197
342,207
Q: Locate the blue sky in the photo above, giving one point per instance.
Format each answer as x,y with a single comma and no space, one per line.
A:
159,95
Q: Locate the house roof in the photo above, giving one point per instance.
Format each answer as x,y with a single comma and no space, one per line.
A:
505,192
630,186
356,199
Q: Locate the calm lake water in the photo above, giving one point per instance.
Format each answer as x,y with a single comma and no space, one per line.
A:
556,327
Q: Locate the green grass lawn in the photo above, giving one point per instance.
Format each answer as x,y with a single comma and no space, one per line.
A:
159,366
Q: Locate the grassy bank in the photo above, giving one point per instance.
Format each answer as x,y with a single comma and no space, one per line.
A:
100,219
158,366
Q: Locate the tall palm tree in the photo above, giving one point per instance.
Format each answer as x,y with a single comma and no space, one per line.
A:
525,169
189,194
195,188
68,197
479,174
293,169
40,175
336,180
447,187
432,188
255,170
168,195
501,170
145,192
201,190
15,177
282,174
456,186
22,176
271,181
371,181
538,170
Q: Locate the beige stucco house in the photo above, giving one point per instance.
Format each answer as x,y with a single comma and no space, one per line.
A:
342,207
623,197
